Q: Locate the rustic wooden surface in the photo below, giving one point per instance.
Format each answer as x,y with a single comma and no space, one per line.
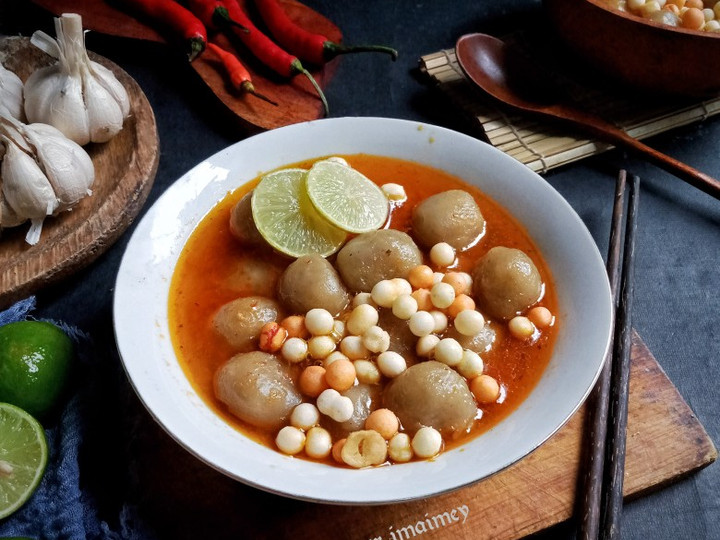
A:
296,98
125,169
187,499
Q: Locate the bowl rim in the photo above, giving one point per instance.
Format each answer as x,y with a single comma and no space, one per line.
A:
630,17
177,408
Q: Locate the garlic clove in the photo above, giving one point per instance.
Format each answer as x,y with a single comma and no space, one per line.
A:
11,129
105,118
107,80
26,188
68,167
39,88
56,98
8,216
11,92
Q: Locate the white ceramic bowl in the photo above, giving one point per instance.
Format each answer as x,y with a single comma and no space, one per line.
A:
141,317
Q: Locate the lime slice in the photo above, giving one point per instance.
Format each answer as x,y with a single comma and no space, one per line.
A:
346,198
23,456
288,221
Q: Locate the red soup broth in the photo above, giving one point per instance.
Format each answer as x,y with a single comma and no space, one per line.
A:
214,269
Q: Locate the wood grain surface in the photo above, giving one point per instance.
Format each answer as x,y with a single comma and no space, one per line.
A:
187,499
125,169
296,98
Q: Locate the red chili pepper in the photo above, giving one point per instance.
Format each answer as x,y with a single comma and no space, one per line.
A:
179,19
239,75
309,46
265,49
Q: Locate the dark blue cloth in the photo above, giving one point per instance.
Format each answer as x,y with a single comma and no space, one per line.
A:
61,508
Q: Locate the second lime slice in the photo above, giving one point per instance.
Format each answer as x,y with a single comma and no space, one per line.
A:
346,197
287,219
23,456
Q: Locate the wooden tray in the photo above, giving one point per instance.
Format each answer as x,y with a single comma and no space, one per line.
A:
125,169
297,100
183,498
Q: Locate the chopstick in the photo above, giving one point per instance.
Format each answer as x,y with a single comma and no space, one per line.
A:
602,502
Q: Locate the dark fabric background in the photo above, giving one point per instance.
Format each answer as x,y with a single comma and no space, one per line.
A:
125,455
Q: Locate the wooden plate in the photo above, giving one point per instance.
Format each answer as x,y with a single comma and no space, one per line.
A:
297,100
125,168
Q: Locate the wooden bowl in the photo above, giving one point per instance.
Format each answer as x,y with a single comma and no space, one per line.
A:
639,52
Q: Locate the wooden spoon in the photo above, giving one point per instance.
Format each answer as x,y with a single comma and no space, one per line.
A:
514,80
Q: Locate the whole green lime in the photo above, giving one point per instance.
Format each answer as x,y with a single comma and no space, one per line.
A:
35,360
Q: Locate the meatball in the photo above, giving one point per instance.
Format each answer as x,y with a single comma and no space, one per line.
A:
252,275
257,388
377,255
506,282
402,340
241,320
451,216
365,398
479,343
312,282
242,224
431,394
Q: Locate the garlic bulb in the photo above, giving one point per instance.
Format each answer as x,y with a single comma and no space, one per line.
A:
81,98
11,92
42,173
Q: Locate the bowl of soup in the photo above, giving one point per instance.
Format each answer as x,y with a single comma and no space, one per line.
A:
649,46
435,347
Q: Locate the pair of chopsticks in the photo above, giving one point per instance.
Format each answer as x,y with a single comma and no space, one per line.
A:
603,489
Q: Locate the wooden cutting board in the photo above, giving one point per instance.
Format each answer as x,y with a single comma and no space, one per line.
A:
125,168
186,499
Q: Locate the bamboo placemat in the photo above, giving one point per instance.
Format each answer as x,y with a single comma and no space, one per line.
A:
543,145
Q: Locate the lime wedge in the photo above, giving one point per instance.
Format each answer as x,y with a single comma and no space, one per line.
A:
23,456
288,221
346,198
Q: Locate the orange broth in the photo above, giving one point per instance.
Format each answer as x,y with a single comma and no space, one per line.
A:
212,267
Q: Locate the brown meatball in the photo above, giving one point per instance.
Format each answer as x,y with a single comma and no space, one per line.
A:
253,275
431,394
451,216
402,340
365,398
312,282
242,224
506,282
479,343
241,320
377,255
257,388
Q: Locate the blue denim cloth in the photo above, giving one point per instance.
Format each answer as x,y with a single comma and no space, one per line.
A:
61,508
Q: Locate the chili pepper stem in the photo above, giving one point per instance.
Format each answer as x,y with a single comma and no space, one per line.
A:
222,17
249,87
197,45
298,67
331,50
